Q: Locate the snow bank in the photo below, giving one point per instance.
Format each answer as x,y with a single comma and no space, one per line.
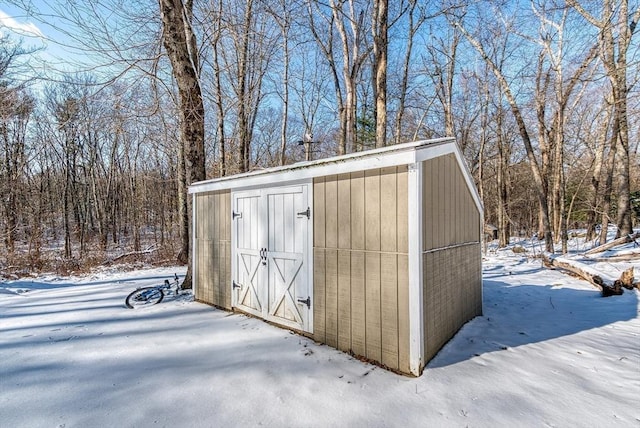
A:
548,351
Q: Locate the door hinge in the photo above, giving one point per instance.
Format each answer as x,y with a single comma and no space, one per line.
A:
305,213
235,214
306,301
236,285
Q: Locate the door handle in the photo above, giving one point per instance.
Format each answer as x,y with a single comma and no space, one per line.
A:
263,256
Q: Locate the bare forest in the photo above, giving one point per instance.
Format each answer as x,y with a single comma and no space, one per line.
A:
106,121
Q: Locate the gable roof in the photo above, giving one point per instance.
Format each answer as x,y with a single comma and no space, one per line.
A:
400,154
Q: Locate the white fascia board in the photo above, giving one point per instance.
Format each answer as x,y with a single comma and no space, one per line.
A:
401,154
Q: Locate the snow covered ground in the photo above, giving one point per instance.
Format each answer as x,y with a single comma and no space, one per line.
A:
548,351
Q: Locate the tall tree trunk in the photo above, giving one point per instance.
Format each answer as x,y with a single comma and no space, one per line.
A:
285,98
219,98
596,174
502,184
323,34
380,48
349,25
607,190
243,90
406,64
67,204
180,44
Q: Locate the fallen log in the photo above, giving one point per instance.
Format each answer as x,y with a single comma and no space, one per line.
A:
617,258
626,279
607,286
132,253
614,243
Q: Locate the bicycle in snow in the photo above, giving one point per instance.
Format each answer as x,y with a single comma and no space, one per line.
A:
148,296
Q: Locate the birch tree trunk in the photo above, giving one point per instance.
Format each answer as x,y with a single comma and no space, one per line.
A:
596,173
351,60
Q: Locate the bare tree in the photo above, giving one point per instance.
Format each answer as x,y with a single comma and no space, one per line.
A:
283,14
616,27
443,58
552,77
347,18
180,43
213,34
413,26
522,127
600,143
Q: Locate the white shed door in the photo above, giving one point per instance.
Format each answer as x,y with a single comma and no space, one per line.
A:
248,260
271,273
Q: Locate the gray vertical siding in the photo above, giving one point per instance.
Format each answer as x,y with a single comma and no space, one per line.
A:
361,302
452,293
213,248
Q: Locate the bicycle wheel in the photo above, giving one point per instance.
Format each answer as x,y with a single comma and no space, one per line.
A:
145,296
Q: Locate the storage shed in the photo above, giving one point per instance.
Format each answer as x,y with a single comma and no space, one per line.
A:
375,253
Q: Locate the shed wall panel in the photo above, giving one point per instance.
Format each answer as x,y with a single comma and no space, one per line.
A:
344,211
403,314
213,248
452,288
344,300
331,212
358,303
361,264
389,308
331,297
319,290
453,279
373,313
357,211
402,215
450,214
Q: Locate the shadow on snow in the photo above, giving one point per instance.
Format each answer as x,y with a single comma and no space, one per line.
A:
517,315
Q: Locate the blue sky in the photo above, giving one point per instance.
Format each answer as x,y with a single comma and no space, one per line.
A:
18,25
36,33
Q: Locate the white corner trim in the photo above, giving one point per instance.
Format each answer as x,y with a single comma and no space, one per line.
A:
194,247
416,315
309,259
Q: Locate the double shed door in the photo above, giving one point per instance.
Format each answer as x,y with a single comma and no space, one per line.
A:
271,245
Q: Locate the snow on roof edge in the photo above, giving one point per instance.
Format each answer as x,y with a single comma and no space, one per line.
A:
202,186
